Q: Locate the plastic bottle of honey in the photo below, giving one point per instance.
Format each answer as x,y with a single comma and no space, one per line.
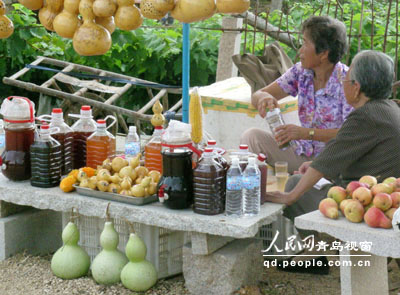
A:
152,151
82,128
46,159
100,145
208,185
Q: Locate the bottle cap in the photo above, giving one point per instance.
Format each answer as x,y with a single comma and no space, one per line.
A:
132,129
85,108
252,161
57,114
273,112
235,161
262,157
57,111
243,147
158,127
212,142
86,112
101,123
208,150
44,126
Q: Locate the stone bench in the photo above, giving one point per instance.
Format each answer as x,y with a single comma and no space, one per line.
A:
383,243
222,255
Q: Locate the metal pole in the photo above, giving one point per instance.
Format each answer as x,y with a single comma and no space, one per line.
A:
185,73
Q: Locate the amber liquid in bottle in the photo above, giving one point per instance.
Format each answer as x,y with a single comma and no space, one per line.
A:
16,155
66,141
79,149
99,148
153,157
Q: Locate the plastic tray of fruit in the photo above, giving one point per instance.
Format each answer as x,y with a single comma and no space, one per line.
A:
115,197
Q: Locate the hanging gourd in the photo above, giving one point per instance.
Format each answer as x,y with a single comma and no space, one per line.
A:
104,8
70,261
156,9
32,4
90,38
232,6
128,16
67,22
108,264
48,13
158,118
6,25
107,22
189,11
139,274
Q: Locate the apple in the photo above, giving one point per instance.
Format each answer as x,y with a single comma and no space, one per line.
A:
389,213
370,205
354,211
344,203
337,193
363,195
376,218
391,181
397,189
353,185
395,196
368,179
381,188
329,208
382,201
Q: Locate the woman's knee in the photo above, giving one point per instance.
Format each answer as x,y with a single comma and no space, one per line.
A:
250,135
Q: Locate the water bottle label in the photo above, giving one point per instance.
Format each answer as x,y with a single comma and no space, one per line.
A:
251,182
132,149
2,141
234,183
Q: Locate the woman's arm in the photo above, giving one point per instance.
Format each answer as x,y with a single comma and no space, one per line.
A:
306,182
290,132
267,97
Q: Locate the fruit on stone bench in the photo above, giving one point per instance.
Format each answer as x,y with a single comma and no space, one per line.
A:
354,211
381,188
363,195
368,179
337,193
395,196
376,218
329,208
353,185
382,201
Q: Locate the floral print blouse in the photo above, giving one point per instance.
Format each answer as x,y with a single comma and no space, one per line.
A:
324,109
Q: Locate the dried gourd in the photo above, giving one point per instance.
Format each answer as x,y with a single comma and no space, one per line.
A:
196,116
32,4
67,22
107,22
48,13
232,6
66,185
188,11
6,25
128,16
104,8
156,9
90,38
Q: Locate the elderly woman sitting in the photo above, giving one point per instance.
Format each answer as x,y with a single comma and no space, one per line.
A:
366,144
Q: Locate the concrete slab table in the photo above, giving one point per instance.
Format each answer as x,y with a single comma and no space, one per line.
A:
355,276
223,262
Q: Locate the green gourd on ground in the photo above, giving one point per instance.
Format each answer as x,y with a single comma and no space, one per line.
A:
139,274
70,261
108,264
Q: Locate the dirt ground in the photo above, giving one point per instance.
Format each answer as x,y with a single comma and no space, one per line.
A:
24,274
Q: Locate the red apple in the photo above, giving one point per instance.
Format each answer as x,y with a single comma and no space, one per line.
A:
337,193
389,213
363,195
354,211
376,218
370,205
368,179
395,199
382,201
381,188
344,203
329,208
353,185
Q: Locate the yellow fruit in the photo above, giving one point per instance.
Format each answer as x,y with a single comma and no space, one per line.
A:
66,185
103,174
125,171
103,185
125,192
126,183
141,171
138,180
155,175
117,164
107,164
152,188
114,188
145,182
138,191
135,161
115,178
84,183
93,182
89,171
74,173
82,175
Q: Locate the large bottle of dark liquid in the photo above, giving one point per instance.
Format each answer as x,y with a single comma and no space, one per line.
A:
82,129
65,137
46,159
208,185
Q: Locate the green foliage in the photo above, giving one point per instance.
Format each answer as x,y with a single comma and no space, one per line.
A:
153,54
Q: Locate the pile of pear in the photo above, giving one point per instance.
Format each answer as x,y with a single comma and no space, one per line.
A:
119,176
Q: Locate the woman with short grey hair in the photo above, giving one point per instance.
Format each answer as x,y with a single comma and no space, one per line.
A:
367,143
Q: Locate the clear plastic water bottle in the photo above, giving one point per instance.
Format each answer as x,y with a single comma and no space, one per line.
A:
234,186
275,119
251,189
132,143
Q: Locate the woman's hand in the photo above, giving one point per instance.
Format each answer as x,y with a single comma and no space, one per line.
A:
281,198
266,101
286,133
303,168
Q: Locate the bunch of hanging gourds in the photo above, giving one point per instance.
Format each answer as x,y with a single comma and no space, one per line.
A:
90,23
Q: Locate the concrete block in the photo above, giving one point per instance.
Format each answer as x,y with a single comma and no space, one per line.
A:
224,271
7,209
37,232
204,244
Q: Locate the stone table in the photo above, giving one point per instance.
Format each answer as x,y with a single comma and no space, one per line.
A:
224,264
377,245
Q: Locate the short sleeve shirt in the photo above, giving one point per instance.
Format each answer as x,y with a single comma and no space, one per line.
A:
325,108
